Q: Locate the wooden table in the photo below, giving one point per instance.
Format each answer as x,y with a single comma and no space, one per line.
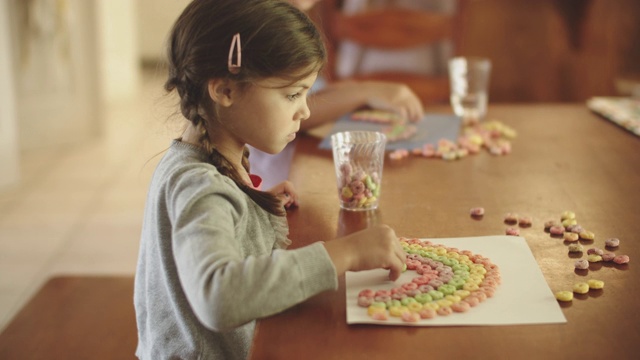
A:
75,317
564,158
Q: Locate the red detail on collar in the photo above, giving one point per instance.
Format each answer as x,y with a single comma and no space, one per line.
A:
256,181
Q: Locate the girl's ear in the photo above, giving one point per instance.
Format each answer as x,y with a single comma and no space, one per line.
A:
220,91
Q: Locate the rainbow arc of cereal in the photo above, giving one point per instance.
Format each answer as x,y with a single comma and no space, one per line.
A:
449,280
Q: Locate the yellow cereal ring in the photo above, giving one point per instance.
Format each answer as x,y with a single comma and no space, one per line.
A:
414,306
375,309
581,288
346,193
453,298
570,236
397,310
430,305
564,295
587,235
470,287
595,284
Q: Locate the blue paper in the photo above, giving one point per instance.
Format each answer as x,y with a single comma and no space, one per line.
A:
430,129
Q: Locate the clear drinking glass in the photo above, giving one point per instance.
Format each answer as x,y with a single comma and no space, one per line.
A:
358,157
469,80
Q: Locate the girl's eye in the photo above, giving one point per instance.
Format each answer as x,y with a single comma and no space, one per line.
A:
293,97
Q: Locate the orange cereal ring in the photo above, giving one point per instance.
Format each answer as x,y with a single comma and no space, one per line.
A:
427,313
460,307
444,311
621,259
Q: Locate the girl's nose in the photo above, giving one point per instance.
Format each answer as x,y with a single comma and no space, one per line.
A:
304,112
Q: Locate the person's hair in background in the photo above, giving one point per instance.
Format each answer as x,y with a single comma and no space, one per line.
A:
199,49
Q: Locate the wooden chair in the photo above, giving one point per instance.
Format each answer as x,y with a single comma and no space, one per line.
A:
391,28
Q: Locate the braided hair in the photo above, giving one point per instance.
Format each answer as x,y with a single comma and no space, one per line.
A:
278,40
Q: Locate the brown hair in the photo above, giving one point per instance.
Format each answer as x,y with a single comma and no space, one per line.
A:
278,40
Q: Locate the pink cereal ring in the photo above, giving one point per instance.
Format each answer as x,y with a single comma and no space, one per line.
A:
612,242
367,292
596,251
608,257
410,286
380,315
364,301
512,231
357,187
422,280
621,259
581,264
477,211
556,230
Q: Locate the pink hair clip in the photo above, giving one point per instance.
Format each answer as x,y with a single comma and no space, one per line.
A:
235,43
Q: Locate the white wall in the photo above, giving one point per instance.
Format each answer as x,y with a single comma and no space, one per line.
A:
118,53
155,18
58,68
55,67
9,170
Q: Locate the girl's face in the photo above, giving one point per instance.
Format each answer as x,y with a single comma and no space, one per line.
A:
267,114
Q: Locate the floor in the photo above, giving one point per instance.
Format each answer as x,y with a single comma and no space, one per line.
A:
78,208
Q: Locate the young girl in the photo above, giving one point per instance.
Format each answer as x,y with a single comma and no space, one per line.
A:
212,254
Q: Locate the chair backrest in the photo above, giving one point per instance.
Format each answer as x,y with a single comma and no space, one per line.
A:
391,28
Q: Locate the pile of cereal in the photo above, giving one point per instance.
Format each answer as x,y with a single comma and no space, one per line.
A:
568,229
449,280
357,188
492,135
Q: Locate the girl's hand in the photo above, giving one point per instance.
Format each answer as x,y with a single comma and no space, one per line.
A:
286,192
398,98
372,248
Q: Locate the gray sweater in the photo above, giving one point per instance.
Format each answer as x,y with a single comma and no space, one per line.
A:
211,262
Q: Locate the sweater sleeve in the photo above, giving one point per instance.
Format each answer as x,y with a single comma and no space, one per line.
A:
226,284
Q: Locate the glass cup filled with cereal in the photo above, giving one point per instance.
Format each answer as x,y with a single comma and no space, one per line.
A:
358,157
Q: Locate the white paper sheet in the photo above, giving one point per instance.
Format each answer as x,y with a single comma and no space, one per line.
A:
523,297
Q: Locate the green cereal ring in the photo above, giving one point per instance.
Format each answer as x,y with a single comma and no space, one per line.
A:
423,298
436,295
447,289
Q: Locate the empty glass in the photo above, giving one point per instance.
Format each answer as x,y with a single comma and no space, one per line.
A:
469,79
